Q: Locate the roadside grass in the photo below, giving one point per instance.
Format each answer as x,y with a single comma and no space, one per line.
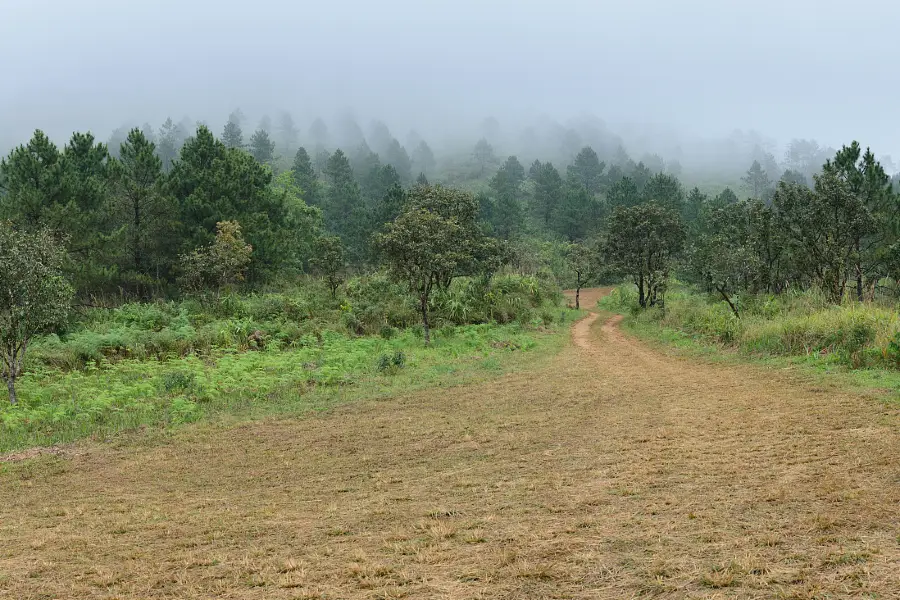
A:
849,346
101,401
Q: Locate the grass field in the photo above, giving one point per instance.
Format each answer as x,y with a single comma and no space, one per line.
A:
605,470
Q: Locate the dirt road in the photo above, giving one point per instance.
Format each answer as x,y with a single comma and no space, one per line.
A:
613,471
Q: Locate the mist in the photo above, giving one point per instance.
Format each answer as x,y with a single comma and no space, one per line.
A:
666,78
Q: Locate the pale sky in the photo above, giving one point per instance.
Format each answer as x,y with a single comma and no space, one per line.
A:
790,68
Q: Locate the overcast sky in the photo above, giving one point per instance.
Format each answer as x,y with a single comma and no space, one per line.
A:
788,68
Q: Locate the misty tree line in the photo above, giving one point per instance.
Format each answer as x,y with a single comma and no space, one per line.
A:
133,214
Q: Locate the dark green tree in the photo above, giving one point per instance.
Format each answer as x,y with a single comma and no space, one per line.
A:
547,192
142,209
624,193
343,209
261,147
666,191
588,170
576,211
305,178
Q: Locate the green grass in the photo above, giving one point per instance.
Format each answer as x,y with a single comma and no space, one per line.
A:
98,401
853,345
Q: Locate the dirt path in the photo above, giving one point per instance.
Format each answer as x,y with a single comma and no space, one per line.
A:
611,472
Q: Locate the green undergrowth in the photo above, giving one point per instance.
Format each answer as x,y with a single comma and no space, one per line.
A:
316,371
856,345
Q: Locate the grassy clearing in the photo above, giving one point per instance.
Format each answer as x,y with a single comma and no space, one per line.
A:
857,344
169,364
607,470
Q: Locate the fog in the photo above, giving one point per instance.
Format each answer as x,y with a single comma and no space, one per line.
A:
663,75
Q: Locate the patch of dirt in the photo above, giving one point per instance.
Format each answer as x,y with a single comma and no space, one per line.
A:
612,471
62,451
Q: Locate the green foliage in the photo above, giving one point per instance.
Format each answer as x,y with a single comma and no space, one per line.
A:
642,243
34,296
220,266
261,147
329,261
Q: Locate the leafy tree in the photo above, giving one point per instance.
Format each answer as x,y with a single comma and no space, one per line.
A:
142,209
232,136
395,155
421,179
329,261
584,262
34,296
296,235
221,265
666,191
642,243
305,178
821,226
261,147
434,240
588,170
547,192
483,155
423,158
758,182
722,257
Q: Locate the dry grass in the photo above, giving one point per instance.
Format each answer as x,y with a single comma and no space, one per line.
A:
611,472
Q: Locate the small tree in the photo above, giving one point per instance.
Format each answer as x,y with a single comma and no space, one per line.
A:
34,296
435,239
329,261
221,265
584,262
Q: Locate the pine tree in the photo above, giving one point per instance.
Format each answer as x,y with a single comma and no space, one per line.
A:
306,179
758,182
261,147
396,156
343,208
588,170
169,144
548,191
141,207
232,136
483,155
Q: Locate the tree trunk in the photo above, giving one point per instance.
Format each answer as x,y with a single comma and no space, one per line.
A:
11,386
859,275
424,307
577,295
642,299
728,300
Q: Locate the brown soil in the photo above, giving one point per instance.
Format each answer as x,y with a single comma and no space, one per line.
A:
612,471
